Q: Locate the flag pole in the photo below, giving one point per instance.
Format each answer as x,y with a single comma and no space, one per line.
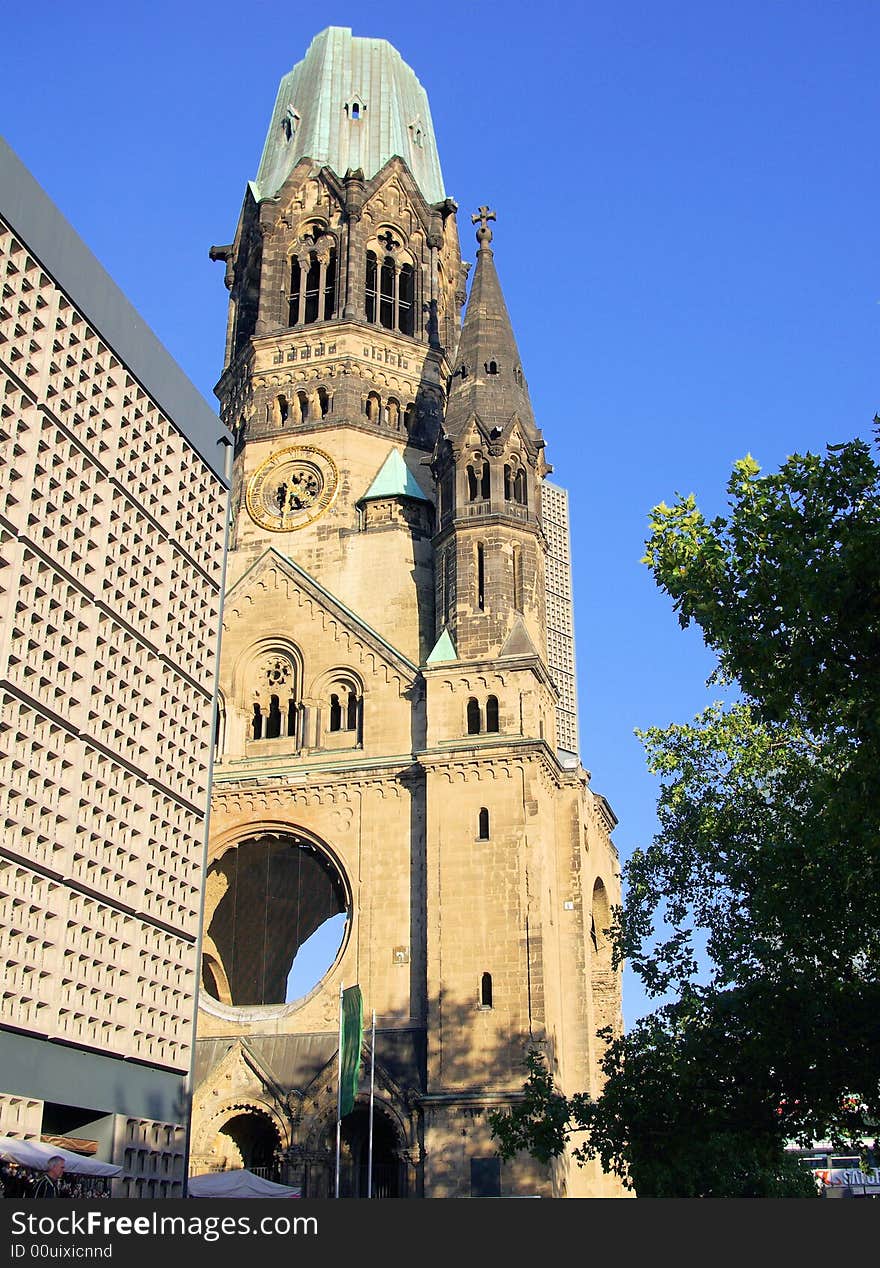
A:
339,1097
372,1079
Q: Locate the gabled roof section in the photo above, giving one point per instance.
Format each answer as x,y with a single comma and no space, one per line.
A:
349,104
395,480
444,649
336,610
488,378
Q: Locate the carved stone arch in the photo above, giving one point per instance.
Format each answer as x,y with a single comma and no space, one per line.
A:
392,239
340,694
256,660
210,1126
600,922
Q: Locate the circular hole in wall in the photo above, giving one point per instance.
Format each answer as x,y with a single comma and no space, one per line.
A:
278,924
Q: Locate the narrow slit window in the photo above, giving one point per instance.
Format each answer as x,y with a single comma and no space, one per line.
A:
486,990
481,576
492,713
257,723
335,714
313,281
386,293
473,716
295,284
483,824
405,304
329,306
372,285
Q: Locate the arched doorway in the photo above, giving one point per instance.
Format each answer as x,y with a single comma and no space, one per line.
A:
388,1170
250,1140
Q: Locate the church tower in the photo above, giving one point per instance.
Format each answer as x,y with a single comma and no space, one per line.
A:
388,762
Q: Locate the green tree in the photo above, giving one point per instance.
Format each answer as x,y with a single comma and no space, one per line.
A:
768,853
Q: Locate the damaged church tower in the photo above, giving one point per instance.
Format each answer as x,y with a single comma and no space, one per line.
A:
396,751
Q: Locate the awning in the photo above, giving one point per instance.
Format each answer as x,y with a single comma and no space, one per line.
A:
238,1184
34,1153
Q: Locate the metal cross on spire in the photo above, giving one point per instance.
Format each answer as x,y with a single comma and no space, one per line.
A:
484,233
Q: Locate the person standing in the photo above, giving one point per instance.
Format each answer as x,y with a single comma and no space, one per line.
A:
49,1185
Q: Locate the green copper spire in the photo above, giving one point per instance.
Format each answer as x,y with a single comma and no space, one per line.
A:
351,103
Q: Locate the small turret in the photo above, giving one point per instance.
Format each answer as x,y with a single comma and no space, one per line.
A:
488,465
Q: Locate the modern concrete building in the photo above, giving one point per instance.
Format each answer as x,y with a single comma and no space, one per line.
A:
397,750
113,503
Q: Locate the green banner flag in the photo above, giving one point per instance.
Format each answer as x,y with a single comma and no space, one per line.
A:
350,1051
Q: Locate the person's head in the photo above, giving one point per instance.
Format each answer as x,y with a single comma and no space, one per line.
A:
55,1167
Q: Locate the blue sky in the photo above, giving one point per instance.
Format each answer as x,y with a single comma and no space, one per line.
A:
687,239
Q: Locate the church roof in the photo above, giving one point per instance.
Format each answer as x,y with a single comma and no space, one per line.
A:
395,479
350,103
444,649
488,379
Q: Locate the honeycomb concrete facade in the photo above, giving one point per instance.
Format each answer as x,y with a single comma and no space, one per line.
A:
112,533
388,750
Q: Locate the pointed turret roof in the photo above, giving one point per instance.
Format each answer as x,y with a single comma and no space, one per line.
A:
488,379
518,642
395,480
444,649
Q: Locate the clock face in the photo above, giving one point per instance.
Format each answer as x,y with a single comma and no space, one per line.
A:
292,488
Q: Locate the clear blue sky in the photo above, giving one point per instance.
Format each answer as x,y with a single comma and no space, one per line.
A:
687,239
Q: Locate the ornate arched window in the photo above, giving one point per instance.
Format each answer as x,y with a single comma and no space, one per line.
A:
389,295
345,698
478,481
473,716
312,295
515,483
275,707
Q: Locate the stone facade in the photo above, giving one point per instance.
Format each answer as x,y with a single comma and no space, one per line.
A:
387,746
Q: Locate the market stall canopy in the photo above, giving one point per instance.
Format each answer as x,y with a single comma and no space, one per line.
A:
238,1184
34,1153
